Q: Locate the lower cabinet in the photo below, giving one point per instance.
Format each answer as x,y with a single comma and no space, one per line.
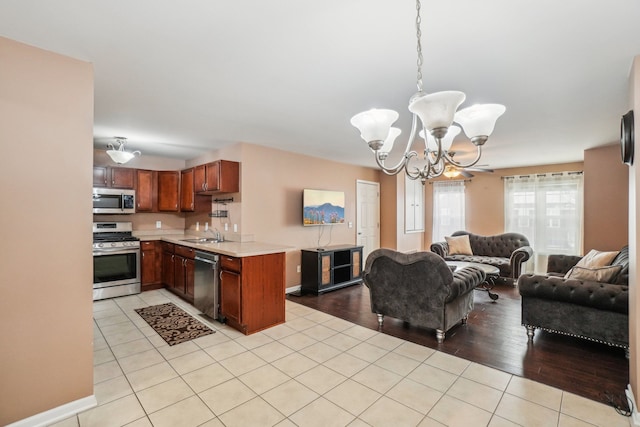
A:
230,291
168,270
178,270
150,265
252,291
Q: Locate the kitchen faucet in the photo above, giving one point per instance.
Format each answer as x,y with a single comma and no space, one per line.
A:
217,235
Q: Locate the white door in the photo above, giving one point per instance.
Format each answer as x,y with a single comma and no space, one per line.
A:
368,216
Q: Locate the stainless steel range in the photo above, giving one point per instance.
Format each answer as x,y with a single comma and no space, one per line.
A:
116,260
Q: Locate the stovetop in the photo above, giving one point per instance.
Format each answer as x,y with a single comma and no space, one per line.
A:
114,235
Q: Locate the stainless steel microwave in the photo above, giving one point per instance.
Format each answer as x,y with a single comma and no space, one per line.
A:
113,201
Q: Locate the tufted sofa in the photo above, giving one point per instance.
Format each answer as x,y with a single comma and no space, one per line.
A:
597,311
507,251
419,288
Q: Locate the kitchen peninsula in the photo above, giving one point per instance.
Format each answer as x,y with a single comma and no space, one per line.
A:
252,276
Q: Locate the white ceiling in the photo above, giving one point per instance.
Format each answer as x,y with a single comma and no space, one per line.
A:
182,78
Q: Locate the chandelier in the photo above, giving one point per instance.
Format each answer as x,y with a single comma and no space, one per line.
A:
118,155
437,112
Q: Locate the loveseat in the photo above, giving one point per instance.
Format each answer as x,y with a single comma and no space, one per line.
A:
507,251
579,301
420,289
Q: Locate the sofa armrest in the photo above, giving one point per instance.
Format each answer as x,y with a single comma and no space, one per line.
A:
440,248
464,281
561,264
519,257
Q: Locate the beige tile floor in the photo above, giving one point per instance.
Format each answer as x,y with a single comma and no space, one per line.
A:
314,370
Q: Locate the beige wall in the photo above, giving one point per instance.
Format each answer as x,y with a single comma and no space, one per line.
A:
634,233
606,200
46,128
271,204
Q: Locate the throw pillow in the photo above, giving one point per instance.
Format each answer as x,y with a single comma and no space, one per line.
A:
601,274
595,259
459,245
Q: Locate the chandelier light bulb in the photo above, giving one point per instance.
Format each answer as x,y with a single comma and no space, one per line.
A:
387,146
446,141
436,110
374,125
479,120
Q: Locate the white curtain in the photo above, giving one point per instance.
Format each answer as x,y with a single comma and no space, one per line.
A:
546,208
448,208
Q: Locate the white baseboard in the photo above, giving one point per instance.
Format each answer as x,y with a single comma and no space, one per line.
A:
634,420
57,414
292,289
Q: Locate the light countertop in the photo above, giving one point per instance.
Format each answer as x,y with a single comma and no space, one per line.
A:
235,249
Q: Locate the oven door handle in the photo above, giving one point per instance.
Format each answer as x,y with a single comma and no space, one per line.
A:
114,251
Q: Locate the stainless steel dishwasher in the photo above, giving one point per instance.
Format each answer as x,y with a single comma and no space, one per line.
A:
206,288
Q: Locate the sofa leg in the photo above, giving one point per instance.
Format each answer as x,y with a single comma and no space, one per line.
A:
464,319
380,319
439,336
530,332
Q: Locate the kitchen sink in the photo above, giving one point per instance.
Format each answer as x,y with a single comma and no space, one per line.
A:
201,240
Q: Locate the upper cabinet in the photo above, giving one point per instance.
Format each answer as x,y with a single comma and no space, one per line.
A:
105,176
187,194
146,190
168,191
221,176
157,191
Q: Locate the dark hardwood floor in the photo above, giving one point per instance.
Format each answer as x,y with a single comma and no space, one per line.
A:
494,337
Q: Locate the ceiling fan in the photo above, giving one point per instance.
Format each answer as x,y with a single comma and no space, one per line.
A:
451,171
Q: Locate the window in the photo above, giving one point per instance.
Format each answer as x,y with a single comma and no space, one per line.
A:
448,208
548,210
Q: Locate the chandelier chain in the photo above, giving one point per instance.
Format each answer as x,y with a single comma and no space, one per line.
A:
419,46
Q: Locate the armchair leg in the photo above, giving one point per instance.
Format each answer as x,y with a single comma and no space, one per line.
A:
380,319
440,335
530,332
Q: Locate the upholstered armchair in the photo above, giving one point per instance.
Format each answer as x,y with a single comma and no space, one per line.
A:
420,289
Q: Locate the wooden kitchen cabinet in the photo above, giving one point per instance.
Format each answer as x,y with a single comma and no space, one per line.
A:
168,267
187,193
221,176
168,191
145,190
252,291
151,265
184,272
105,176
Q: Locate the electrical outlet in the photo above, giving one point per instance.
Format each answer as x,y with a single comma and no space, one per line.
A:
226,226
158,224
235,228
298,269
